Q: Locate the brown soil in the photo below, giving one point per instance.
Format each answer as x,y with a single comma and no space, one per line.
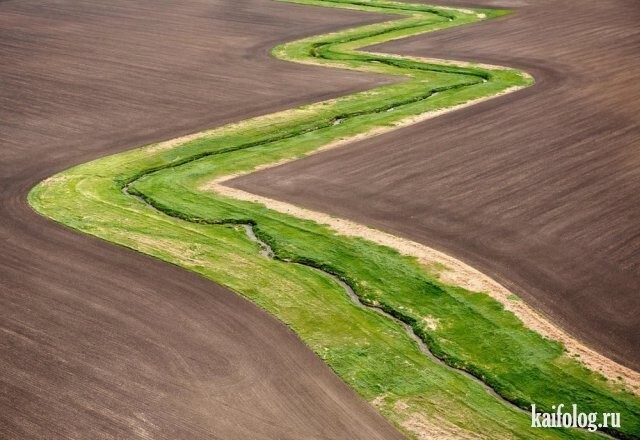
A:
539,189
101,342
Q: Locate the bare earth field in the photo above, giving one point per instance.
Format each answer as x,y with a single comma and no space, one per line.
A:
101,342
540,189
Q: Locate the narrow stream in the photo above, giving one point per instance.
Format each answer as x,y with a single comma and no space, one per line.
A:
267,251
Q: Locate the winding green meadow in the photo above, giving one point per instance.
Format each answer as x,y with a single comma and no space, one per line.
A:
151,199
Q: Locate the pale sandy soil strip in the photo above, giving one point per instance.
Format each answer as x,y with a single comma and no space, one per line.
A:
455,272
433,428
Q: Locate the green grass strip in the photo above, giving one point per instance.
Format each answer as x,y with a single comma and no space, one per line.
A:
199,230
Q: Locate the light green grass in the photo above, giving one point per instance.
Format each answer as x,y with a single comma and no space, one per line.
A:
369,352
